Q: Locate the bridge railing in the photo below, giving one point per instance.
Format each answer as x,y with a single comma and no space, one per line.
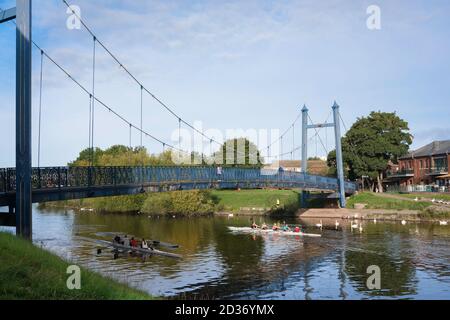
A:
67,177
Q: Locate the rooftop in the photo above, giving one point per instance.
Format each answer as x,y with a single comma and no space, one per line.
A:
431,149
314,166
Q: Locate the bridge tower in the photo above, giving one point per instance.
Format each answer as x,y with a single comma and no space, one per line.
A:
339,161
23,210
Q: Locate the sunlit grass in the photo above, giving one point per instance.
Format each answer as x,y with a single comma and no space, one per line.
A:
437,196
377,202
235,200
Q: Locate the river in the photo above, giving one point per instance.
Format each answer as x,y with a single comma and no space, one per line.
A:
218,264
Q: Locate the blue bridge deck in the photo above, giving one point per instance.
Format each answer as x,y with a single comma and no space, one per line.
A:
65,183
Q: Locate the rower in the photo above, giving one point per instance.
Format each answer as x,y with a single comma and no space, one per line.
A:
126,241
275,227
297,229
144,244
254,226
116,239
264,226
133,243
286,228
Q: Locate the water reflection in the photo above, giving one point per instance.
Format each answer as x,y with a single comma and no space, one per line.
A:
414,259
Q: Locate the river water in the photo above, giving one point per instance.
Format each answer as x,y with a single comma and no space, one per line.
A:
414,259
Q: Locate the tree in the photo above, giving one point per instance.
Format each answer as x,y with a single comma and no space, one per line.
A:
239,152
120,155
371,143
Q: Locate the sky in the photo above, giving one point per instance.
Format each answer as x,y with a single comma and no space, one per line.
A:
231,65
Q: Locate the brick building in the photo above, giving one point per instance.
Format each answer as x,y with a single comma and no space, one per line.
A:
425,166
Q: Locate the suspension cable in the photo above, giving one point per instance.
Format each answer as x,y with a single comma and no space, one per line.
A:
317,134
103,104
142,103
93,99
90,127
40,110
122,66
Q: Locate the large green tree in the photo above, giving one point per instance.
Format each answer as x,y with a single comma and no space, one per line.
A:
370,144
238,152
120,155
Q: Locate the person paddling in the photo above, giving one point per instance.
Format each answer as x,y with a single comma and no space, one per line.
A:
126,241
254,225
297,229
264,226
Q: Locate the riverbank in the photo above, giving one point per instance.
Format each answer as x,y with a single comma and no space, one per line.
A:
387,207
192,203
31,273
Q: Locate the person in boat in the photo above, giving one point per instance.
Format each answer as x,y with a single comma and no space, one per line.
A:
126,241
117,239
285,227
275,227
254,225
264,226
133,243
144,244
297,229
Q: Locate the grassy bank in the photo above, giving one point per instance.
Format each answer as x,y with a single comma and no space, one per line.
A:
28,272
428,196
425,209
180,203
373,201
190,203
234,200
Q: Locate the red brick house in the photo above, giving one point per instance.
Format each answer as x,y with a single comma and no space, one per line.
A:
425,166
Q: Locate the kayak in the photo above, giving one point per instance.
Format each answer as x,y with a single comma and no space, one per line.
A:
269,231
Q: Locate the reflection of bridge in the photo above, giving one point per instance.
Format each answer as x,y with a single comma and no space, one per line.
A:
63,183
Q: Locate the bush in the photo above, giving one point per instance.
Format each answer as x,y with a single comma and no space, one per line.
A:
186,203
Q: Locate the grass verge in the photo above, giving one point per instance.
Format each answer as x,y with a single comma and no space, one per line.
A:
377,202
437,196
31,273
235,200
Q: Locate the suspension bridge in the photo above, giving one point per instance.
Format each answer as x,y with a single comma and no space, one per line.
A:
23,185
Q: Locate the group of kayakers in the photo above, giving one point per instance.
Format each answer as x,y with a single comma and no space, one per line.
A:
276,227
133,243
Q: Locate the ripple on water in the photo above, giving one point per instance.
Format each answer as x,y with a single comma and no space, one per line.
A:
219,264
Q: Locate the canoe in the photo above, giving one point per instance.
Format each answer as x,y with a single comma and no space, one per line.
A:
269,231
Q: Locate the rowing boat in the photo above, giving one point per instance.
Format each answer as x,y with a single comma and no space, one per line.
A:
269,231
125,249
155,243
149,252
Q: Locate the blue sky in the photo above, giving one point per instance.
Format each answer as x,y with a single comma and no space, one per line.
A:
231,65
